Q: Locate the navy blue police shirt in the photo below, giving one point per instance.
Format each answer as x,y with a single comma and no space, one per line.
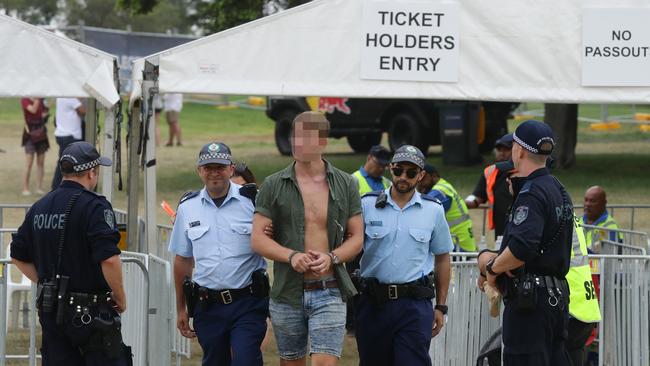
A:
91,237
535,219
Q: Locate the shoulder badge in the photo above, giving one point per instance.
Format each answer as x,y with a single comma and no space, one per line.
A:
429,198
249,190
187,195
109,217
521,213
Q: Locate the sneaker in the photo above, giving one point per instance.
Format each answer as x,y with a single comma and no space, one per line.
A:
40,192
26,193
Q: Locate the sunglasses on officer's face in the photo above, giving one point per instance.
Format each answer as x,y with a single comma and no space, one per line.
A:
410,173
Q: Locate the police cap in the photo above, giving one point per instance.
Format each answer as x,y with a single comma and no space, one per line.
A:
504,141
381,154
215,153
82,156
409,154
535,136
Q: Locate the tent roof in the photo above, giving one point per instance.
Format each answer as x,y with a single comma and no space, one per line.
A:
514,50
39,63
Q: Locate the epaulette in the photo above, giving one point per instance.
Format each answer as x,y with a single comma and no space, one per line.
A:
429,198
526,187
249,190
372,194
93,193
187,195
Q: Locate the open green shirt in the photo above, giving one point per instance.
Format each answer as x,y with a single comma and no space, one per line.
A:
279,199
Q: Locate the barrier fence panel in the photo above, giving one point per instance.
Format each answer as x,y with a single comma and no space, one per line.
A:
612,247
637,239
135,320
160,316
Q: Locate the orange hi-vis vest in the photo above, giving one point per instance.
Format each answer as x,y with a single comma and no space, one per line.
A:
490,174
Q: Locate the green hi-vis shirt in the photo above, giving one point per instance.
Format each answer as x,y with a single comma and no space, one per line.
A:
279,199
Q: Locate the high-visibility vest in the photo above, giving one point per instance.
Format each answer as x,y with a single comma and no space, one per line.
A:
595,235
490,174
460,224
364,187
583,304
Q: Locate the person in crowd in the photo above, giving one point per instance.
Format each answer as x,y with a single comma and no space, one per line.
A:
173,104
157,109
370,176
317,227
69,127
596,214
243,175
34,140
68,244
219,280
492,187
405,234
534,258
460,223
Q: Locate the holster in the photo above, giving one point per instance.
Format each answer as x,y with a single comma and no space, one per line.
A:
260,286
191,297
110,334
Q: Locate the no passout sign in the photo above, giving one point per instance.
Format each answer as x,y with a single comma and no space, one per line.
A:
410,40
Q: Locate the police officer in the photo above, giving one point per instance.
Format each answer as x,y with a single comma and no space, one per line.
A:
228,293
404,231
534,256
371,175
68,244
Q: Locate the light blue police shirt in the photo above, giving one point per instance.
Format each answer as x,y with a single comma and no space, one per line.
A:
219,239
399,243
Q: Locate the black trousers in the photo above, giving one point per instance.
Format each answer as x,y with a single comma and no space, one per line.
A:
579,333
63,142
536,337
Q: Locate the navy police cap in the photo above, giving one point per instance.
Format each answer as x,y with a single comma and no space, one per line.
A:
504,141
82,156
535,136
409,154
380,153
215,153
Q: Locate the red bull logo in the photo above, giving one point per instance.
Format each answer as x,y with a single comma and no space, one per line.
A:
330,105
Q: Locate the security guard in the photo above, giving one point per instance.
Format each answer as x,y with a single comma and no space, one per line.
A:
404,231
68,244
596,214
228,293
534,257
456,213
584,312
371,175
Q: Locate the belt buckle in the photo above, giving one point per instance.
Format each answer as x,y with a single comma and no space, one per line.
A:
392,292
226,297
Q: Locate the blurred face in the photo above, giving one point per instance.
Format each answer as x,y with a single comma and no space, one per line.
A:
374,168
502,153
406,176
595,203
309,141
216,178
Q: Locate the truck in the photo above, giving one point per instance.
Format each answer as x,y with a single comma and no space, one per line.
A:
364,120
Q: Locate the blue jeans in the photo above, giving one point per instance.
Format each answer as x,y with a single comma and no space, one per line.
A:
321,319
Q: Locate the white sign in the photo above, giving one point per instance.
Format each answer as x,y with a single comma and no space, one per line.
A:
410,40
616,47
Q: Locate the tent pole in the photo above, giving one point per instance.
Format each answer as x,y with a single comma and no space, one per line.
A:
132,180
109,151
149,89
91,121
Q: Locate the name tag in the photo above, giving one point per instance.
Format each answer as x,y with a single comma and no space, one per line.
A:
376,223
195,223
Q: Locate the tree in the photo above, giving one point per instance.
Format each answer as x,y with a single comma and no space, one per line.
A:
30,11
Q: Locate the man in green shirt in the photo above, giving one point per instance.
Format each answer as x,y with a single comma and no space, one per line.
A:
315,210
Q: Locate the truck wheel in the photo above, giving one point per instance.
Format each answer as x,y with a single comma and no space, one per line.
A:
283,131
404,129
363,143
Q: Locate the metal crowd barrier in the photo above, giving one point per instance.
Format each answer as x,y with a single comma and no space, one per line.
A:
637,239
616,248
135,320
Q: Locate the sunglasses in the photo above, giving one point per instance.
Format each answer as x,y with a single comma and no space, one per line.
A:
410,173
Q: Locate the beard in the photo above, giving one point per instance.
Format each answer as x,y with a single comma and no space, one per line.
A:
402,186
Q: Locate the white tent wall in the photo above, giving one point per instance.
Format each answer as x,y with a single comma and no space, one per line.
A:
515,50
37,63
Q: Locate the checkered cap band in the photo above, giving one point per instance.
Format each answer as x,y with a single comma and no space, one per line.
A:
210,156
524,145
402,155
86,166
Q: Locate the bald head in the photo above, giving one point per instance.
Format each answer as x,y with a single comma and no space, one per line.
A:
595,203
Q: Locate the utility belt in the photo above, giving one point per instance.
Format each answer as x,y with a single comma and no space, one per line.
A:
195,294
380,293
524,290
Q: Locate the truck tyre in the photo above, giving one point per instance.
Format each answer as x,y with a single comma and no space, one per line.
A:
404,129
283,131
363,143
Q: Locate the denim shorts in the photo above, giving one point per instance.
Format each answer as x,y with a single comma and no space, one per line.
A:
321,319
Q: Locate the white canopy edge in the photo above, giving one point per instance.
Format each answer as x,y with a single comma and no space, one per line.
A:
514,50
37,63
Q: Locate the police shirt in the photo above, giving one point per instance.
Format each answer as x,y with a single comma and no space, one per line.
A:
91,237
219,239
535,218
399,243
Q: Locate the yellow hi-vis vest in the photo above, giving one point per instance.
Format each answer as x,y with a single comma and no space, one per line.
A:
460,224
594,235
583,302
364,187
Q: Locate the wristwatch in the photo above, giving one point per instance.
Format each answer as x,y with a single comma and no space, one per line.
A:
442,308
335,258
488,267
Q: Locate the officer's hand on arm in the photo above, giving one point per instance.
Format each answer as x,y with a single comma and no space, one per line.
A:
268,230
112,270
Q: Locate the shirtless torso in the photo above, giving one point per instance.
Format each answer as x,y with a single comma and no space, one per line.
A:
315,193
